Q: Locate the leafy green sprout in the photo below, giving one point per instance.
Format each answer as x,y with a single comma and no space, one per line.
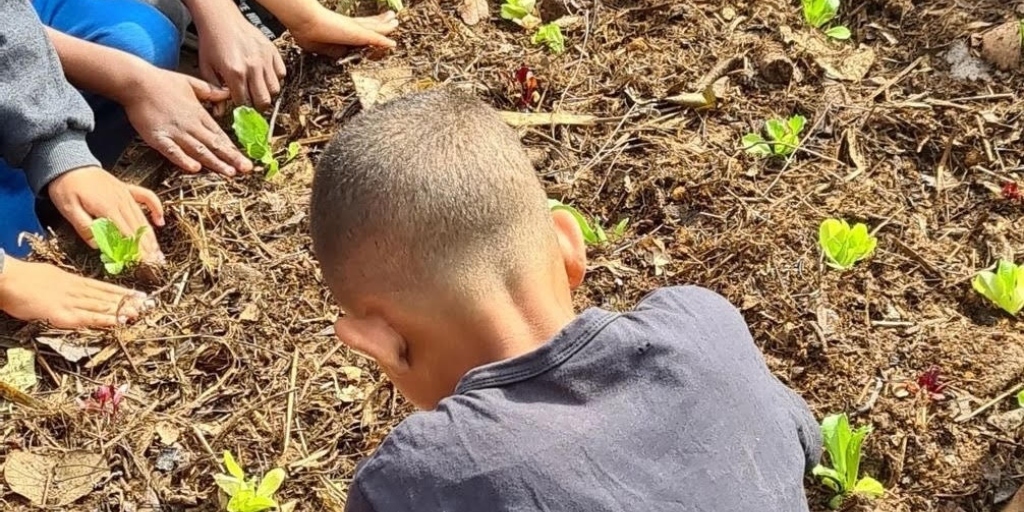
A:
844,449
394,5
521,12
1020,398
818,13
252,495
1004,287
593,234
550,35
843,245
784,137
253,133
117,252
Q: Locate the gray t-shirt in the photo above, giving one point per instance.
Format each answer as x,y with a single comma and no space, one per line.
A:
667,407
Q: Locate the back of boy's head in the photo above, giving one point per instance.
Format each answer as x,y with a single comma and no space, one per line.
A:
428,192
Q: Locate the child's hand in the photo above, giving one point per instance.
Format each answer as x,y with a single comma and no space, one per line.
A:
332,34
234,53
166,109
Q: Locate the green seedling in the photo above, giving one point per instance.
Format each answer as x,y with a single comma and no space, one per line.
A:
550,35
843,246
252,495
394,5
521,12
593,234
1020,398
1004,287
818,13
117,252
253,133
784,137
843,446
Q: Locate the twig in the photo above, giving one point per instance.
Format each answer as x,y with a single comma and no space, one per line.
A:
872,399
896,79
291,403
994,401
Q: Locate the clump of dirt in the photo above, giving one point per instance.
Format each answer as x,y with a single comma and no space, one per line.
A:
240,353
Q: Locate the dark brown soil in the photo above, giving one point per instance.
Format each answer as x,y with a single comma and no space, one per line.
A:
240,355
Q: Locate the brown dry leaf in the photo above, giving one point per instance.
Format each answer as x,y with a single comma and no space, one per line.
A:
1002,46
250,313
350,394
67,349
168,433
54,481
380,85
474,11
352,373
840,62
524,119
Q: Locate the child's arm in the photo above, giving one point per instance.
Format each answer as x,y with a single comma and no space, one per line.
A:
163,106
320,30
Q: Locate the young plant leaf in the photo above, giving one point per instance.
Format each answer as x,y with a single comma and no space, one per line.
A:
229,484
838,32
395,5
117,252
1020,398
844,452
819,12
842,245
252,131
271,483
248,501
273,167
620,228
550,35
1004,287
589,235
756,145
232,466
293,151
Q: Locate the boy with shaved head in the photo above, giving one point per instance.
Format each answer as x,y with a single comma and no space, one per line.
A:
436,240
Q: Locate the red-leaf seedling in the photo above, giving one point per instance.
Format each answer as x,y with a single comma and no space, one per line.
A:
526,85
930,381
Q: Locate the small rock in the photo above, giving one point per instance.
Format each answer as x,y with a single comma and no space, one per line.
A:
168,459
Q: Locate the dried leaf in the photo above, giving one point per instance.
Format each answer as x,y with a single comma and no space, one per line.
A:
524,119
20,370
380,85
67,349
250,313
1002,46
473,11
168,433
350,394
840,62
54,481
352,373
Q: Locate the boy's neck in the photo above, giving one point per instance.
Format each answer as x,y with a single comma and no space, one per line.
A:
503,326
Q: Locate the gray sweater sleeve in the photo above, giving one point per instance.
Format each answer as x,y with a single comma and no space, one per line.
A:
43,119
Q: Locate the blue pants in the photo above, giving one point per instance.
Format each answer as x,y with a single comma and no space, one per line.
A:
132,26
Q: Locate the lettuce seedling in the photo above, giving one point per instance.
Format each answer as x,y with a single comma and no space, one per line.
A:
784,138
1020,398
1004,287
394,5
253,133
817,13
843,246
593,234
117,252
843,446
251,495
521,12
550,35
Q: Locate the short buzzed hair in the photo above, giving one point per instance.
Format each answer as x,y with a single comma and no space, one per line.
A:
430,188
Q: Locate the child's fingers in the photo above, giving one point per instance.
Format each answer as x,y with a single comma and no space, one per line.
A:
147,198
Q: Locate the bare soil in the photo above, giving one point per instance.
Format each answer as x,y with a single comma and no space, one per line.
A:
240,354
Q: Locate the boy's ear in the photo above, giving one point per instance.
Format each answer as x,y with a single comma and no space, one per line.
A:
572,246
374,338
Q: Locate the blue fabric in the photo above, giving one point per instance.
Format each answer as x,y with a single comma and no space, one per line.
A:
128,25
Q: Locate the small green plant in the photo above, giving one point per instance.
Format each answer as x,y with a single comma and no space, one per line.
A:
843,446
818,13
521,12
1020,398
1004,287
394,5
593,234
843,246
251,495
117,252
253,133
784,137
550,35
